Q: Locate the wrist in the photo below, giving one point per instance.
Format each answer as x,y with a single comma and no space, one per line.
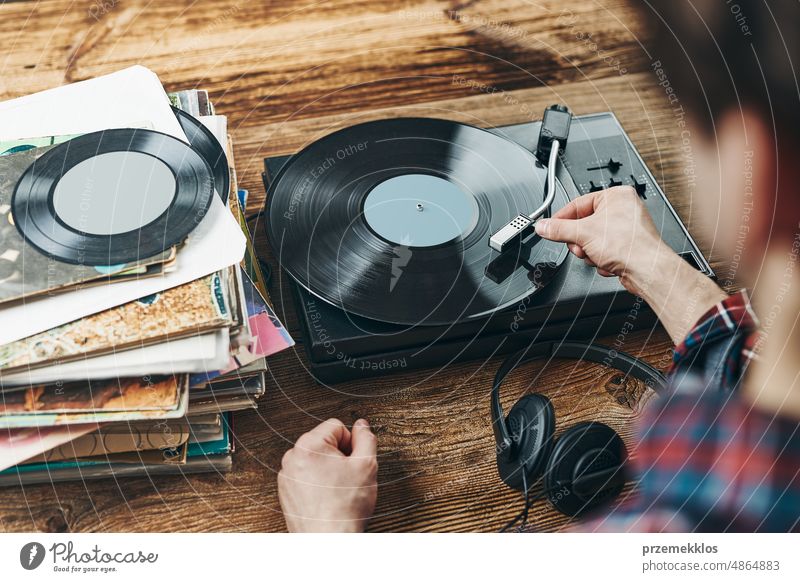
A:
326,525
650,266
677,293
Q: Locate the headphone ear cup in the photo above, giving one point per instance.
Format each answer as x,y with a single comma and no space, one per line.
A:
586,468
531,424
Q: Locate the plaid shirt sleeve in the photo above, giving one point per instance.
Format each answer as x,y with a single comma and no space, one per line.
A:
706,459
728,331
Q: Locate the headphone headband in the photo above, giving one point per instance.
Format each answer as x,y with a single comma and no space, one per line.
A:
595,353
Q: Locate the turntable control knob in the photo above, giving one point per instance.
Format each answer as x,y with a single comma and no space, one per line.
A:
611,165
641,187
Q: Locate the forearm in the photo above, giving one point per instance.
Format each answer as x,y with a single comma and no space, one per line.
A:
677,293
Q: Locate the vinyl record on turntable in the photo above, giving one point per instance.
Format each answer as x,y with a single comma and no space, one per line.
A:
390,220
112,197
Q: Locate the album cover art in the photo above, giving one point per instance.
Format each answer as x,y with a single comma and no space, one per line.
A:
195,307
195,102
237,207
169,456
124,400
14,146
113,395
150,446
267,335
199,457
62,419
21,444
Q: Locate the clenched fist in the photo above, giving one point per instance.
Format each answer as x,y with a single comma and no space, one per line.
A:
328,480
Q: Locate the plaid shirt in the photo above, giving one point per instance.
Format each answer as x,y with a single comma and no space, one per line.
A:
707,459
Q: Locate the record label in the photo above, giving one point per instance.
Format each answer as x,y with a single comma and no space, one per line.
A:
80,197
420,210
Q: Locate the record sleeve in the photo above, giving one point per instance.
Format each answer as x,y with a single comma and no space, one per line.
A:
117,400
196,307
154,436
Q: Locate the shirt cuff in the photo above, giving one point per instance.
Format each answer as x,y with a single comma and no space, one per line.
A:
731,315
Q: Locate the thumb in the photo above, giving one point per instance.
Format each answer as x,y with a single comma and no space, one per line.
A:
364,442
560,230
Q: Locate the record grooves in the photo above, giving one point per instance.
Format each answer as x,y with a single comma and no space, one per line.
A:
390,220
201,139
37,220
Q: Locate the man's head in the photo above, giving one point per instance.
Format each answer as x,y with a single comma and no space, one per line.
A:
733,65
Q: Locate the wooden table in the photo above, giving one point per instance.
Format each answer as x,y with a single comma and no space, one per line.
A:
286,72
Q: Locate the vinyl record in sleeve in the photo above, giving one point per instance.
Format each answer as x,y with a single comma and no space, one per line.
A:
112,197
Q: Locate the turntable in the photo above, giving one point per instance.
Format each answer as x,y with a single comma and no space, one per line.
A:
384,229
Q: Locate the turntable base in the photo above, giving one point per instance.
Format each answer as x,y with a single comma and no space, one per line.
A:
574,302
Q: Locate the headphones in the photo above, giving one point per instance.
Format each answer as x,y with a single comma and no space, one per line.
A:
586,466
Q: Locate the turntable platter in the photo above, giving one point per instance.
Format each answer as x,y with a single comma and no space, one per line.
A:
390,220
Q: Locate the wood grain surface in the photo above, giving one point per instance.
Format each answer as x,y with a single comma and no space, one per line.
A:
286,72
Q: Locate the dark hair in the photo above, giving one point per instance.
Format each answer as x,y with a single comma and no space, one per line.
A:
722,54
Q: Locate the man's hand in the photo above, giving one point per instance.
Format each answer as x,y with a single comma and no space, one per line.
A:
328,481
612,230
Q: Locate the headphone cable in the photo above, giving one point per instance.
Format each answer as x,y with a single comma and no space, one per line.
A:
529,501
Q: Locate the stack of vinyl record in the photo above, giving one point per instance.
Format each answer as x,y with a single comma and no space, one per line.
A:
133,314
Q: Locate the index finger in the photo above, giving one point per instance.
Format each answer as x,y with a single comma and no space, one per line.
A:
365,444
580,207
